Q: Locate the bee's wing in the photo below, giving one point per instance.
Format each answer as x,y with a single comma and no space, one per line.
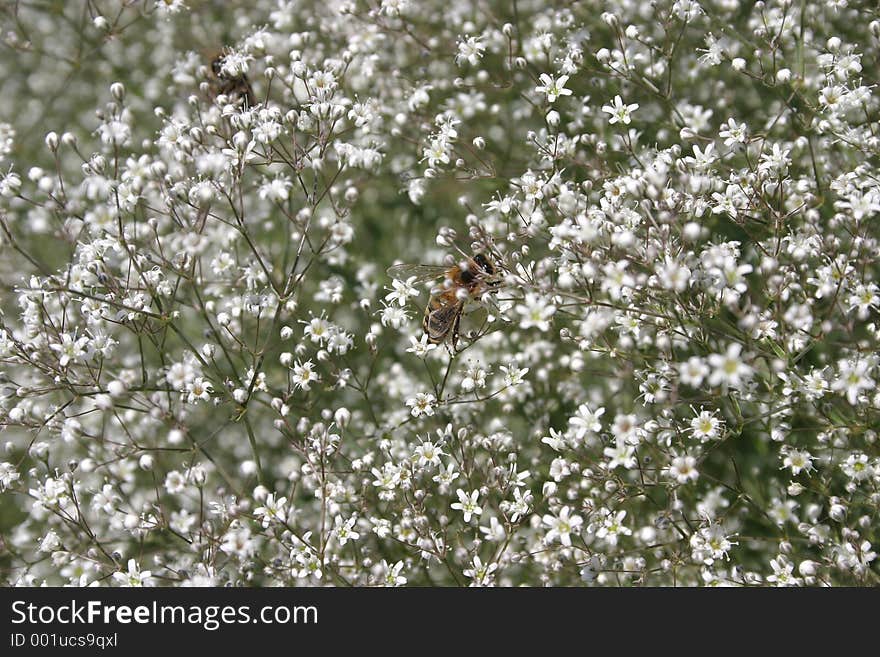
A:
421,273
439,322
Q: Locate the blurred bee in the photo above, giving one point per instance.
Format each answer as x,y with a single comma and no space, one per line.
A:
467,280
236,87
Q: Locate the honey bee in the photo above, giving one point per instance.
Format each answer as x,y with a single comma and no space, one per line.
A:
467,280
236,87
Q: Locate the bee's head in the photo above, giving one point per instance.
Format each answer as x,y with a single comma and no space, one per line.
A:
484,264
489,273
217,64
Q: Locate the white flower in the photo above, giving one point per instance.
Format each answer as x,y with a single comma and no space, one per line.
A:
422,404
710,544
586,421
304,375
480,573
857,467
115,133
782,572
437,152
470,50
317,329
683,469
428,454
402,291
467,504
673,275
234,64
8,476
775,162
693,371
10,183
620,111
553,88
626,428
70,348
343,530
322,83
393,316
168,7
702,159
387,478
421,347
494,532
782,511
175,482
864,298
276,190
272,511
380,526
734,133
612,527
50,542
475,376
521,505
513,374
199,390
620,454
814,385
729,368
447,475
135,577
561,526
705,426
391,574
853,378
797,461
535,311
556,440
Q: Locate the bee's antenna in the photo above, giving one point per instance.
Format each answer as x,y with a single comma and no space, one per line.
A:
457,248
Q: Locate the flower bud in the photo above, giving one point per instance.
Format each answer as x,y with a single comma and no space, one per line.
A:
808,568
610,19
52,141
117,90
342,417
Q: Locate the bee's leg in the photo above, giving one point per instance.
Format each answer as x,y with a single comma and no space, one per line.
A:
455,327
484,328
249,99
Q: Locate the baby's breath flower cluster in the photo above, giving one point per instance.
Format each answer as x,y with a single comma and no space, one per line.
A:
207,376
